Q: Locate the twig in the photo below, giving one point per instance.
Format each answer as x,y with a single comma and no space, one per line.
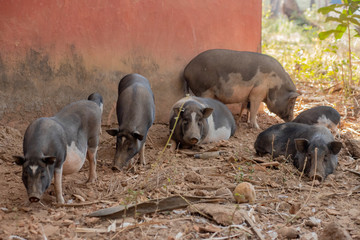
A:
77,204
147,224
252,224
352,171
227,237
308,197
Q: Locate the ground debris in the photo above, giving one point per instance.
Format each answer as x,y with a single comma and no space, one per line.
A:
333,231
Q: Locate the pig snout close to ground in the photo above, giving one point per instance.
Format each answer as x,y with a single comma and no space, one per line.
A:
59,145
242,77
201,120
311,148
320,115
135,109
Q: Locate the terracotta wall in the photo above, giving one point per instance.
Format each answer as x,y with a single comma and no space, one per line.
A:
58,51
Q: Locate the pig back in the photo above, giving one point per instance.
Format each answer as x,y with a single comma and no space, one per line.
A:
81,120
135,105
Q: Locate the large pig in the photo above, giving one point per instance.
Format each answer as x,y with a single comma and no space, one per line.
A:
201,120
320,115
242,77
299,141
58,145
135,110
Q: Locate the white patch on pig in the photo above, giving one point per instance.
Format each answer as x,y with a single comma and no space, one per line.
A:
323,120
33,168
193,117
74,159
101,107
214,135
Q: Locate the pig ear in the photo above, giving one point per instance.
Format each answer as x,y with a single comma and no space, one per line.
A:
19,160
49,160
137,135
301,145
293,95
335,147
207,112
113,132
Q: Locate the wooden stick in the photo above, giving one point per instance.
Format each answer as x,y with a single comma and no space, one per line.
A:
270,164
352,171
252,224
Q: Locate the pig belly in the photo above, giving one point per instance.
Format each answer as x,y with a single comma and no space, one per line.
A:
233,94
74,159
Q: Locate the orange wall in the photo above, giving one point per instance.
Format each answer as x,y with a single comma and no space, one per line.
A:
54,52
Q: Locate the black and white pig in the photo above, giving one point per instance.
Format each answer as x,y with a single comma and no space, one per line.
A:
58,145
201,120
135,111
241,77
320,115
299,141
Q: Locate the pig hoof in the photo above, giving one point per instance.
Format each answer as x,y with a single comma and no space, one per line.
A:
116,168
61,200
91,180
254,125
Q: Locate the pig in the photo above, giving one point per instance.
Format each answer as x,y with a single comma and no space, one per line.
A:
241,77
299,141
135,109
201,120
320,115
58,145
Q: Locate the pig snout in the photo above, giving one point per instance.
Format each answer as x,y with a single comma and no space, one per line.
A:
34,197
121,159
118,164
316,177
192,134
194,140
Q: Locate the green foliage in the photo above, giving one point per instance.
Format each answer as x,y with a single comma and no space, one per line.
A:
343,14
303,55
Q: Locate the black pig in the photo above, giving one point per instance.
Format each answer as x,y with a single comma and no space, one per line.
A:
135,111
299,141
320,115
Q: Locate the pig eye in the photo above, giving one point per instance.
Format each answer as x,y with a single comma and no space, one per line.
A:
185,122
199,124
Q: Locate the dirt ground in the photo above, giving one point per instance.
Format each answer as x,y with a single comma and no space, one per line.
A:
283,197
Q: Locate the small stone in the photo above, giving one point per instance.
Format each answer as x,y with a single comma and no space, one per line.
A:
312,222
289,232
262,209
333,231
201,193
309,236
244,192
354,213
193,177
225,193
295,207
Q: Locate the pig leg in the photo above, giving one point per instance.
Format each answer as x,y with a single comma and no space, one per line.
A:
242,108
91,156
254,107
256,96
142,154
58,185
